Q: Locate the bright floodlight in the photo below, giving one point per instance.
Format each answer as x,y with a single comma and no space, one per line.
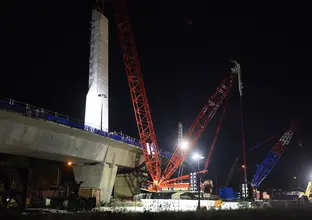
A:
184,144
197,156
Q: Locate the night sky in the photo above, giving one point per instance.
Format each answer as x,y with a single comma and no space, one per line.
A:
185,49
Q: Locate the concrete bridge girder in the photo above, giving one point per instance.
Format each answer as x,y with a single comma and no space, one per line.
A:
37,138
20,135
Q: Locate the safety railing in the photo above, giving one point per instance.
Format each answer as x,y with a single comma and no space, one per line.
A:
41,113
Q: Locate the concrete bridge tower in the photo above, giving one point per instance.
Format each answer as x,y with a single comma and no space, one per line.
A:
101,176
97,107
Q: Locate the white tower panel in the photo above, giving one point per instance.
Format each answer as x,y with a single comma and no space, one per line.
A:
98,96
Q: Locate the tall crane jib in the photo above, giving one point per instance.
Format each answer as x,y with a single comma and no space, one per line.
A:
200,123
141,108
137,91
271,159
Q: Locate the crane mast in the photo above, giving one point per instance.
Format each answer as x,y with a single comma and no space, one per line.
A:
137,91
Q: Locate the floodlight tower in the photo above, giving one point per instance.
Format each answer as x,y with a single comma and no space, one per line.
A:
180,144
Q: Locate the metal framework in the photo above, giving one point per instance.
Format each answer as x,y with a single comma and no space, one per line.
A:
169,183
180,139
230,175
137,91
200,123
216,135
271,159
141,107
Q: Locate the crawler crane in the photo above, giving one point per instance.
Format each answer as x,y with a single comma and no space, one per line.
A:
142,110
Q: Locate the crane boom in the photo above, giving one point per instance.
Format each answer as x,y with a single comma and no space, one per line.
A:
271,159
137,90
230,175
200,123
214,141
141,107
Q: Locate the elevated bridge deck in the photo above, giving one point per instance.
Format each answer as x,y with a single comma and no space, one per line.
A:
31,131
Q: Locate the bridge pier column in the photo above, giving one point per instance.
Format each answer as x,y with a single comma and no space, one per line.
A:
100,177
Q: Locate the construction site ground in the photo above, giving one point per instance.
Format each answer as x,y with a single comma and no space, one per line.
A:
280,213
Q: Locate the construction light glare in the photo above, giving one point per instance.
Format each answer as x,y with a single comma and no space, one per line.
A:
197,156
69,163
184,144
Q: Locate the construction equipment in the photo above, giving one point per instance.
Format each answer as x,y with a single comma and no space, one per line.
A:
171,183
292,197
262,143
180,144
142,112
232,170
230,175
306,196
138,93
68,197
208,185
266,166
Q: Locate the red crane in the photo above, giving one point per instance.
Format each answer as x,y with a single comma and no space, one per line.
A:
200,123
171,183
141,107
137,91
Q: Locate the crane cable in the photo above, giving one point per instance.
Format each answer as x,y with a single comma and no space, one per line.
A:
230,175
262,143
217,132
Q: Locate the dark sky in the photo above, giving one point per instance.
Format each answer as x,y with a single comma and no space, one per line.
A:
45,54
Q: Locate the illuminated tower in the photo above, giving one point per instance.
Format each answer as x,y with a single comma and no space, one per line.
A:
97,108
